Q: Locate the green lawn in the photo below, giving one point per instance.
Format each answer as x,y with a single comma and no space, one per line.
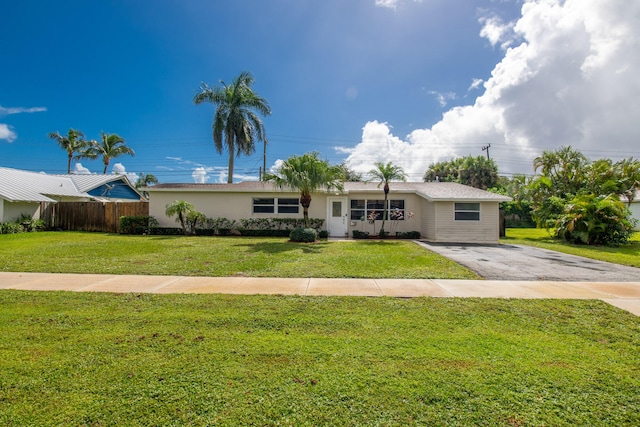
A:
627,254
70,252
92,359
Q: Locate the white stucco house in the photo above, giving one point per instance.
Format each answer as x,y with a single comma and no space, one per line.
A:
24,192
440,211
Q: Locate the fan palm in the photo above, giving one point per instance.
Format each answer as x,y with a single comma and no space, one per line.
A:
307,174
236,126
73,143
385,174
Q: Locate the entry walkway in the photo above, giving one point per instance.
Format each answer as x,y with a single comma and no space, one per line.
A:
625,295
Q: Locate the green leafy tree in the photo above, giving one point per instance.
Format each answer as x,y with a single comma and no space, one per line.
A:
478,172
109,147
181,209
73,143
307,174
629,177
385,173
349,174
565,169
236,124
595,220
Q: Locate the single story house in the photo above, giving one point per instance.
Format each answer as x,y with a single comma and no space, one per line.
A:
23,192
440,211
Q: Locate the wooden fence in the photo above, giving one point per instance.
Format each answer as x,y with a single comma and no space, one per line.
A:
89,216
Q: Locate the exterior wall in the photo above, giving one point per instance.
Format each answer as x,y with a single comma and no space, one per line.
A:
10,211
428,223
412,203
233,206
447,229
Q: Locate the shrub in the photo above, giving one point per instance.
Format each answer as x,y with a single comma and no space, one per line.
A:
323,234
305,235
408,235
595,220
357,234
137,224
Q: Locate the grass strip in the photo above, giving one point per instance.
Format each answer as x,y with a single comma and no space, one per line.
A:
139,359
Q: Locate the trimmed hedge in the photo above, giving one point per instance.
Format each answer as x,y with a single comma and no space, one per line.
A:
303,235
137,224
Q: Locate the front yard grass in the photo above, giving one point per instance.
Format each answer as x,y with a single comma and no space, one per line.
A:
72,252
628,254
140,359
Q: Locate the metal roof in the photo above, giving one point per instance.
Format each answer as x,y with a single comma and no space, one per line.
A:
18,185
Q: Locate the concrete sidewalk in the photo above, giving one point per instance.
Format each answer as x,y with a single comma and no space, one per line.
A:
625,295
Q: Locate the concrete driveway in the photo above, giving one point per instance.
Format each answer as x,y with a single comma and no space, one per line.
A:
520,262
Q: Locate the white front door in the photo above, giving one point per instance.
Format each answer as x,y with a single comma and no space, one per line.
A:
337,221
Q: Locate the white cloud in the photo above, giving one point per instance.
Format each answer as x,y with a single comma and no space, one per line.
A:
17,110
571,80
443,98
119,169
200,175
7,133
391,4
78,169
497,31
475,84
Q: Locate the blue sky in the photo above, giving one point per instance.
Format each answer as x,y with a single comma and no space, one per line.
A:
360,81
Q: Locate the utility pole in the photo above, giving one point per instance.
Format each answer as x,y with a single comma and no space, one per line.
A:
486,148
264,160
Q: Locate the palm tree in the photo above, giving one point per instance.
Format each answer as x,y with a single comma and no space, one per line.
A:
236,126
385,174
73,143
110,147
145,180
182,209
307,174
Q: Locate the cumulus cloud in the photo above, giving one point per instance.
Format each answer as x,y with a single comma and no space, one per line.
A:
200,175
78,169
119,169
7,133
571,80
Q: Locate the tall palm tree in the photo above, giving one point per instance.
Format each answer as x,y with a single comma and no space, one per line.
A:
73,143
109,147
236,126
307,174
385,174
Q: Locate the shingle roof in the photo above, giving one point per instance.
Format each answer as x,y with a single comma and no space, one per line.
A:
433,191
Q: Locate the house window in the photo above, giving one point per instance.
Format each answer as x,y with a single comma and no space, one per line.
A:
269,205
263,205
363,209
467,211
288,206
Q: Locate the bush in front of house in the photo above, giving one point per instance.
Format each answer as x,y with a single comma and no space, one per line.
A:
357,234
323,234
23,224
303,235
408,235
137,224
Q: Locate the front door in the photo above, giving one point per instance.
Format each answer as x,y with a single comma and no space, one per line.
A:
337,216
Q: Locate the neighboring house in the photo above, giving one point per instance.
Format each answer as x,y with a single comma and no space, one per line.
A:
440,211
23,192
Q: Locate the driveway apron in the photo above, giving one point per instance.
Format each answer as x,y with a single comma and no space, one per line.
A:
520,262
